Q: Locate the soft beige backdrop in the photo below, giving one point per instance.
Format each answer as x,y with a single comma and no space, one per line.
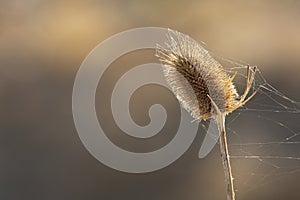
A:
42,44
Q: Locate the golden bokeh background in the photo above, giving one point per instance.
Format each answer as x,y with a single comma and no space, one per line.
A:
42,44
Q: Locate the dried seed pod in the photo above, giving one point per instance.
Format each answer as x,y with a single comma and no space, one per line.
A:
189,66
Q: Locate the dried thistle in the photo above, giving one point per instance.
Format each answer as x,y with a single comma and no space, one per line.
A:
203,88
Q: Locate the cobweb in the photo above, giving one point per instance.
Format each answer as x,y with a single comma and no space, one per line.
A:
264,135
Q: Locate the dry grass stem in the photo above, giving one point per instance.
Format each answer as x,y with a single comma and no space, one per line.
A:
203,88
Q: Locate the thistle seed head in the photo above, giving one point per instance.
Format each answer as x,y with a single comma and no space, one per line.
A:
193,74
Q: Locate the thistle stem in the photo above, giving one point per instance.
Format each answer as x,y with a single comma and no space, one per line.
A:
225,157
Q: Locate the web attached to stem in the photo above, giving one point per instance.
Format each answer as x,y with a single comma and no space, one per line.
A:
264,134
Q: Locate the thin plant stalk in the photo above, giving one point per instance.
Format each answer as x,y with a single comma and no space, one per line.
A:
220,119
225,157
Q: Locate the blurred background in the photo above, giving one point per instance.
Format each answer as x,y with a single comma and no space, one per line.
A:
42,44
